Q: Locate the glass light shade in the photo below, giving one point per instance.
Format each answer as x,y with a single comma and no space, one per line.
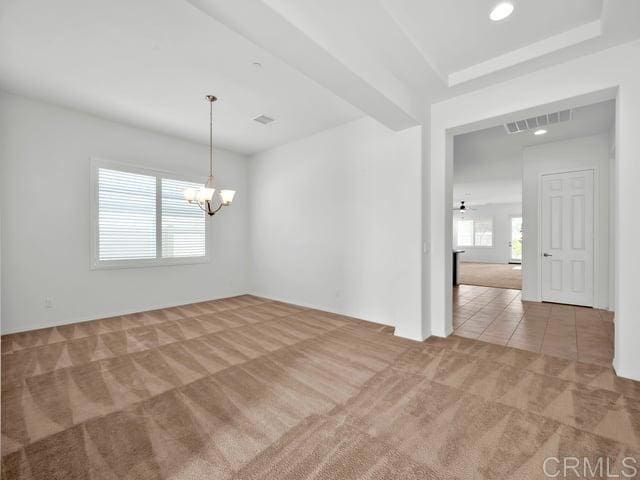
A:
205,194
501,11
190,194
227,196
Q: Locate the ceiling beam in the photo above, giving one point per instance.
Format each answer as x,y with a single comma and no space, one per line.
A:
338,66
529,52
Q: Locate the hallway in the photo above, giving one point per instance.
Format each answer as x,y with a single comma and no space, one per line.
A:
500,316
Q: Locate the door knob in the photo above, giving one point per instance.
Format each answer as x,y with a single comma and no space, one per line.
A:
547,255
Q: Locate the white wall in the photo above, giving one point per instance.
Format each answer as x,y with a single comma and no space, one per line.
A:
335,221
613,217
613,72
487,165
575,154
45,158
500,214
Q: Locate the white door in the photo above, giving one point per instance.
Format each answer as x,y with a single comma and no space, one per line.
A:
567,238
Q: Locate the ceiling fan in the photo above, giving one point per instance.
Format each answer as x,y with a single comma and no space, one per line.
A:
463,208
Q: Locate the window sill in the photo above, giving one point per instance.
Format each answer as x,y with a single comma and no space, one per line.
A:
163,262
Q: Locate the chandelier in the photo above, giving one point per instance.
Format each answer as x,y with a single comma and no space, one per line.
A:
208,198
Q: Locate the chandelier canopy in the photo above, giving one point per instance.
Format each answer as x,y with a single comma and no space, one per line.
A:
208,198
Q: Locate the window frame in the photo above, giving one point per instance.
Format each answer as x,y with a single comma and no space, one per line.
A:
474,220
158,261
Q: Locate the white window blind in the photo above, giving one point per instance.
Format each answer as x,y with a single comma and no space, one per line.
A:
483,232
183,224
465,233
126,215
475,233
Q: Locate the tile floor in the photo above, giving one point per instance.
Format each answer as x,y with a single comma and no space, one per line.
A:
499,316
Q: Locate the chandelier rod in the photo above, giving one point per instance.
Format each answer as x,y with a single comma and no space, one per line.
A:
206,193
211,99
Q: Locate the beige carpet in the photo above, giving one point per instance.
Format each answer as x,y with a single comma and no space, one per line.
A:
490,275
245,388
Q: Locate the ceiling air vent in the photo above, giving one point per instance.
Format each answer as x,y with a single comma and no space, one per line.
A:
263,119
537,122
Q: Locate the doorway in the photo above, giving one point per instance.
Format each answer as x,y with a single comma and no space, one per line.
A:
487,197
566,198
515,243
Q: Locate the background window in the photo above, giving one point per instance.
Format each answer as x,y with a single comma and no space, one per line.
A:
475,233
465,233
483,233
141,218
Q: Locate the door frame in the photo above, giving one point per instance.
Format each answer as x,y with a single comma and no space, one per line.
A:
511,259
450,118
596,228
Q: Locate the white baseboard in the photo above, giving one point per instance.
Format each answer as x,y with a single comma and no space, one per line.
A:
443,333
399,332
301,304
625,372
113,313
319,307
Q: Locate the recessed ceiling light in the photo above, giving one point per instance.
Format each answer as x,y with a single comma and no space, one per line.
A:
501,11
541,131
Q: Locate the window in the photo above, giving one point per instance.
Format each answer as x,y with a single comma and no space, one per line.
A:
475,233
465,233
127,215
141,218
183,226
483,233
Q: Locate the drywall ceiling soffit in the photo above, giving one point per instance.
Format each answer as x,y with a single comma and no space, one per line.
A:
325,62
487,165
387,56
404,50
468,51
299,34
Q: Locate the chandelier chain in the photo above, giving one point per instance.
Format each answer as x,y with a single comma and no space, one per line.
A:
210,137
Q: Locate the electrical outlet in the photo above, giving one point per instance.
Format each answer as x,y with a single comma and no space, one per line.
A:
48,302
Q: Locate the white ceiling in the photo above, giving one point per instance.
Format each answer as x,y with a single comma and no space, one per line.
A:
151,62
488,163
325,62
457,34
467,50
